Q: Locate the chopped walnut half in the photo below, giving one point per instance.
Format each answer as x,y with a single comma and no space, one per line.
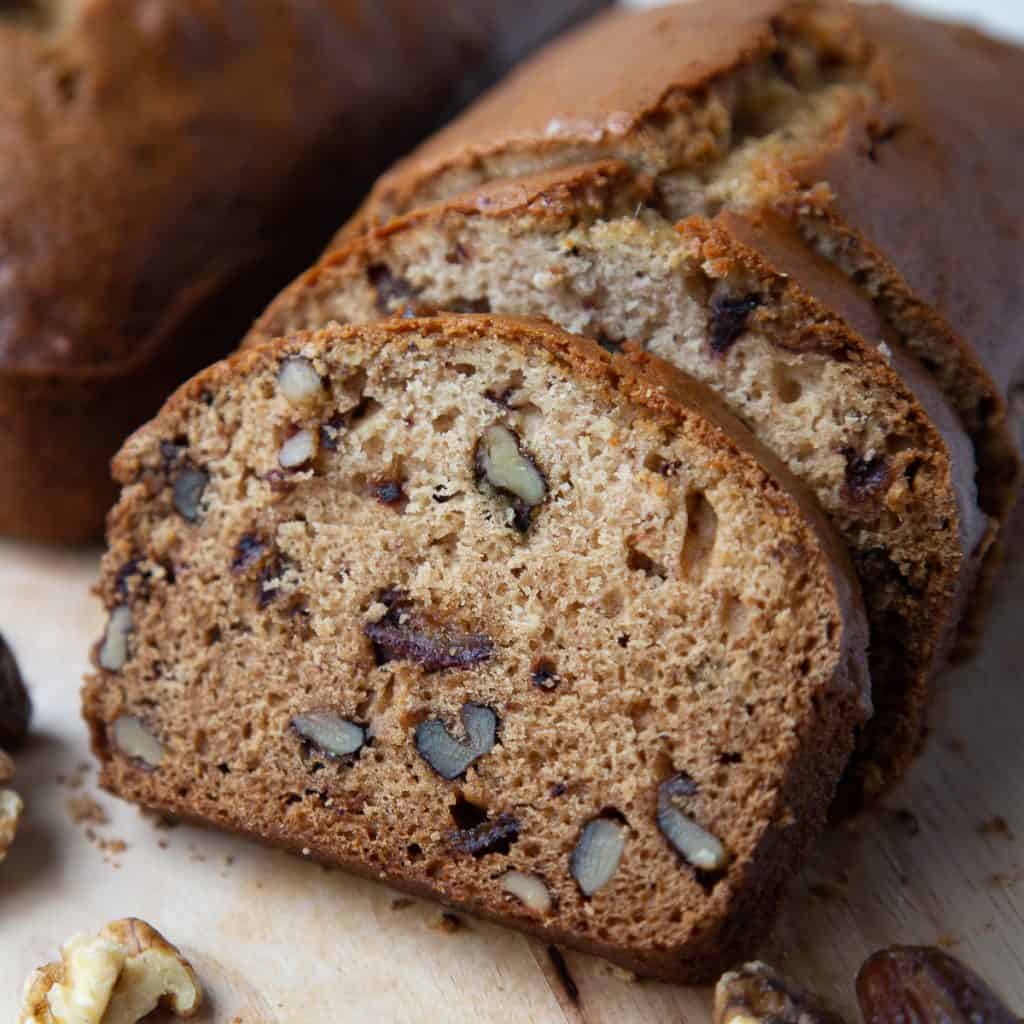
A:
757,994
116,977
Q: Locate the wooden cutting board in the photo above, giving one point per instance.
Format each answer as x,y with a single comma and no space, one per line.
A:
281,941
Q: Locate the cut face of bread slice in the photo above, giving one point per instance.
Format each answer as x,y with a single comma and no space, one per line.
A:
469,605
868,128
729,302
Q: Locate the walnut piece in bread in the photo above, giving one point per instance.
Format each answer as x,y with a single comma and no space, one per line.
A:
116,977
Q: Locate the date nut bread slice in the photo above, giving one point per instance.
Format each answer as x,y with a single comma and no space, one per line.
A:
471,606
730,302
890,141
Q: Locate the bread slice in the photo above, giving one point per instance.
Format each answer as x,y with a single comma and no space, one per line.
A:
468,605
889,141
729,301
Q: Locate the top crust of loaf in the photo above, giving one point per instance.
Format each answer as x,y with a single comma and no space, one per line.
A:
644,400
582,91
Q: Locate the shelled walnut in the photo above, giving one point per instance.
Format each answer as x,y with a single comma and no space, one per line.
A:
10,806
757,994
116,977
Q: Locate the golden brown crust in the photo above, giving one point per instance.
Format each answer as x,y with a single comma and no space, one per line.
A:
146,211
582,91
739,909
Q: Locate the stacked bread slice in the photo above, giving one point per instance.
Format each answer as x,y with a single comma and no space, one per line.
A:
543,595
740,304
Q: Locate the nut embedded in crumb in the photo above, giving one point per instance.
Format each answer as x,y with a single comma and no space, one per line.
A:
330,734
116,977
298,380
528,889
134,739
698,846
298,451
113,651
450,757
596,856
505,466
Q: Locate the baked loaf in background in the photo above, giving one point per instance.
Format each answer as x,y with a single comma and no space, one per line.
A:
890,141
471,606
741,304
164,168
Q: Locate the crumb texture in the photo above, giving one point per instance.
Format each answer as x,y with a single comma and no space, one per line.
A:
511,634
885,458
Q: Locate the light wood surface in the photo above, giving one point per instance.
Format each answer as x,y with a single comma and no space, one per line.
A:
281,941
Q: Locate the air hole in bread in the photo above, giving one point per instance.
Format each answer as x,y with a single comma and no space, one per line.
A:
787,388
443,423
640,561
701,533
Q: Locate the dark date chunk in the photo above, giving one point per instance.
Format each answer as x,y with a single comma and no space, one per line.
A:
495,836
15,706
249,549
728,320
406,633
388,492
924,985
393,292
866,478
756,992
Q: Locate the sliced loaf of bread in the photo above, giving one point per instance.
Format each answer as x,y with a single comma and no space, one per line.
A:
889,141
471,606
741,304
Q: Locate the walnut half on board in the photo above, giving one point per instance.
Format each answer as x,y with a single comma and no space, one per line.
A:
116,977
10,806
757,994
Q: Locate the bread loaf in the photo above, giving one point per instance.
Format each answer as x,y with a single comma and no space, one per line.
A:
164,168
891,142
741,304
